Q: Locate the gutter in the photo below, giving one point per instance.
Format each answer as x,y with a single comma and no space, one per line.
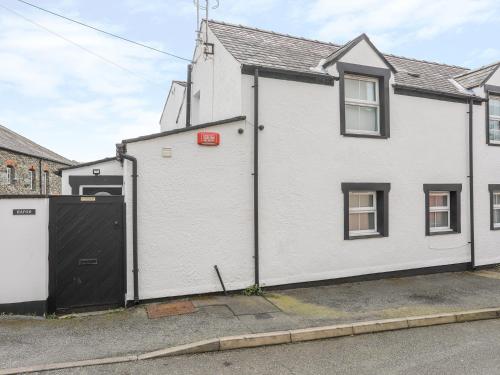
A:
432,94
471,184
121,155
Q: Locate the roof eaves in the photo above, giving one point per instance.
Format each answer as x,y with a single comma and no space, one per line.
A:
183,130
62,161
436,93
87,163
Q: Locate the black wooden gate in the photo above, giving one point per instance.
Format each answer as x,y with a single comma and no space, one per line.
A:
87,253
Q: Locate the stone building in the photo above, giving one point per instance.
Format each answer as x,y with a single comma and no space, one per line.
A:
27,168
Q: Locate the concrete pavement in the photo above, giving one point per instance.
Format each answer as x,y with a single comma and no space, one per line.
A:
30,342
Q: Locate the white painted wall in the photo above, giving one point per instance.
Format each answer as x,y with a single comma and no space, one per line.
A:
195,208
216,79
363,54
486,165
195,211
24,265
174,112
304,160
108,168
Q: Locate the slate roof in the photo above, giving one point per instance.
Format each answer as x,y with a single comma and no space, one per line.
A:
17,143
477,77
251,46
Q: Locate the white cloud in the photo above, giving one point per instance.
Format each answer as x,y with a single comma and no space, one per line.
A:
71,101
396,21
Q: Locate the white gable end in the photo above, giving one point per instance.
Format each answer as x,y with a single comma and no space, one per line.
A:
494,79
363,54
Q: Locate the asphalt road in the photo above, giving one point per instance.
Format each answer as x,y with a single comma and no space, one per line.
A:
466,348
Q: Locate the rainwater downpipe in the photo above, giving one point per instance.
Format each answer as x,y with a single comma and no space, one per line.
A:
471,185
188,95
256,173
135,269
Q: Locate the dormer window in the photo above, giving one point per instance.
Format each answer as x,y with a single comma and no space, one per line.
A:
364,100
362,105
494,119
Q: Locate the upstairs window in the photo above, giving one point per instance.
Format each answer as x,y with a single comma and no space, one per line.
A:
364,101
494,119
362,105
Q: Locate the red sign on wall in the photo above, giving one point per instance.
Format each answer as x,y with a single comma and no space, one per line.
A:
208,138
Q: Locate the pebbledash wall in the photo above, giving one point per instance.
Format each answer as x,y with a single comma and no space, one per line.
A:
22,164
195,208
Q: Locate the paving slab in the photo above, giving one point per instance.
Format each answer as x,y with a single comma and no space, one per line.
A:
29,342
239,305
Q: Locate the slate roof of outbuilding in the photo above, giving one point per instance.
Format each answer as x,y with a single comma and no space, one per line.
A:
12,141
251,46
477,77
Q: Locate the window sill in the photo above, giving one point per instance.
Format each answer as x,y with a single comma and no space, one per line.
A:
490,143
442,232
363,236
359,135
495,228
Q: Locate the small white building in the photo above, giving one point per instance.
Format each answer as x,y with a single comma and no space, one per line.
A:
285,160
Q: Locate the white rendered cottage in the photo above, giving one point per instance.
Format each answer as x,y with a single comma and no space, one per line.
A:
359,164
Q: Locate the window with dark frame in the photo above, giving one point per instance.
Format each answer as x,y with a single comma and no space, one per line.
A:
366,210
442,208
364,101
492,115
494,119
494,190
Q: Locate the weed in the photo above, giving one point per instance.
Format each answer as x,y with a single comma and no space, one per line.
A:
253,290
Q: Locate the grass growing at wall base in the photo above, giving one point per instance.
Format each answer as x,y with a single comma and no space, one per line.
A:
253,290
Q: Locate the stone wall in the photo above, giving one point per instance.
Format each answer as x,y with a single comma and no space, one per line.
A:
22,164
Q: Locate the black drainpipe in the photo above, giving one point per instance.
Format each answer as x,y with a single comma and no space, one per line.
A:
188,96
471,184
135,270
256,172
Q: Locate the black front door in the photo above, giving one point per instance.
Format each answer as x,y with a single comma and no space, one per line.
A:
86,258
